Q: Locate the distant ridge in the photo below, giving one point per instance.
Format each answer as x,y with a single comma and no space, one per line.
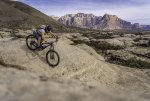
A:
106,22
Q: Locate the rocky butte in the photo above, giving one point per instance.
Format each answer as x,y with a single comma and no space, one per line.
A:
106,22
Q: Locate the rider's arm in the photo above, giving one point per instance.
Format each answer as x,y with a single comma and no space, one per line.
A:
43,36
52,35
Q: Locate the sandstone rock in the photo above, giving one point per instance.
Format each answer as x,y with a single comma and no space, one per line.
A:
130,53
4,34
145,52
128,42
23,85
115,36
6,30
145,43
93,40
75,63
22,33
91,51
82,39
121,55
112,42
129,35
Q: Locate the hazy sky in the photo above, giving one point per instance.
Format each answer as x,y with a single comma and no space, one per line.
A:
130,10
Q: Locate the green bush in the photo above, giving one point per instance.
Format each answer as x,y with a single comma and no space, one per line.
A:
137,39
148,55
76,42
105,46
135,63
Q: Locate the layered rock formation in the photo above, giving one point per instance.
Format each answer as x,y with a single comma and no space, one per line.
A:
145,27
113,22
107,22
79,20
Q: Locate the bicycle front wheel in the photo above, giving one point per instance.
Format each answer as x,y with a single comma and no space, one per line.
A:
52,58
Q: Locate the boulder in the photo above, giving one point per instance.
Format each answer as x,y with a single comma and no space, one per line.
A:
4,34
22,33
144,52
128,42
111,42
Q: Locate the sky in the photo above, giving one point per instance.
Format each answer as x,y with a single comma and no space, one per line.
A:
135,11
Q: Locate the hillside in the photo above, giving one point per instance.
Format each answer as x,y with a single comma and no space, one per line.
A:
16,14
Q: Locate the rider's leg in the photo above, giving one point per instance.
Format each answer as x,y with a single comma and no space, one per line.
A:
39,41
43,37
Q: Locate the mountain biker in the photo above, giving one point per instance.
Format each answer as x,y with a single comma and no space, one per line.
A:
41,32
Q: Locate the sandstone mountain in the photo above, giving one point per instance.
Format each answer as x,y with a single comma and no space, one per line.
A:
106,22
79,20
113,22
17,14
145,27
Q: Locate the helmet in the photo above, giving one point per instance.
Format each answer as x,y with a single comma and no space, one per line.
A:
43,26
48,28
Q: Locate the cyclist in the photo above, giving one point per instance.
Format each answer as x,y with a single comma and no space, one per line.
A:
41,32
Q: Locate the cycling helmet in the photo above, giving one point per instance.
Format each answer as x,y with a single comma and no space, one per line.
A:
43,26
48,28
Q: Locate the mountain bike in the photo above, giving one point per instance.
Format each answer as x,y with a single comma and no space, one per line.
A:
52,57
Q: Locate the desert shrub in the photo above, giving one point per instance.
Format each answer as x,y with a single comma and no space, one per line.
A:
76,42
103,37
144,45
98,46
148,55
135,63
105,46
137,39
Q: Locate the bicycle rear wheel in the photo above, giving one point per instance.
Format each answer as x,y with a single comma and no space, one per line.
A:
52,58
31,42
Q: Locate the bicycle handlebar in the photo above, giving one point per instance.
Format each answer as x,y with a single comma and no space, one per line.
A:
54,41
51,41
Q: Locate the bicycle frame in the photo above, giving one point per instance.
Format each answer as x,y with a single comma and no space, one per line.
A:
45,45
